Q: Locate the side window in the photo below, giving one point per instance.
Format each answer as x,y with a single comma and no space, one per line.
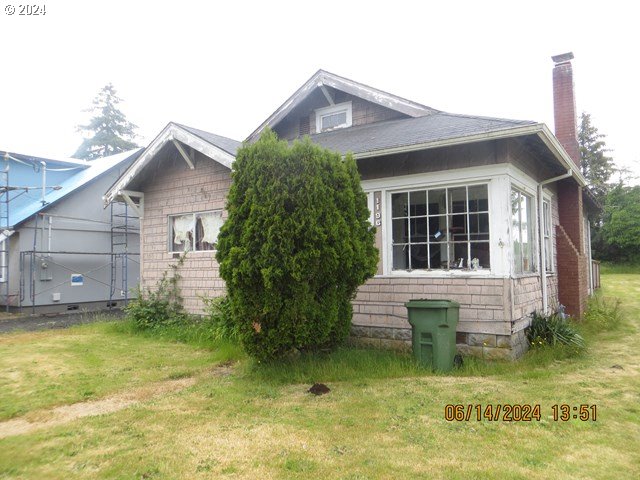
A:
194,231
522,226
181,233
207,229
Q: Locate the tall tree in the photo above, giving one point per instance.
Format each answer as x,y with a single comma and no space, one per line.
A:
597,166
110,131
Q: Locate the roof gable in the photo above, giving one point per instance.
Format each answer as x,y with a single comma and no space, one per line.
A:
326,79
218,148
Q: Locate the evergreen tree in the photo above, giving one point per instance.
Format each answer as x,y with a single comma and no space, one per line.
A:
110,130
295,247
596,165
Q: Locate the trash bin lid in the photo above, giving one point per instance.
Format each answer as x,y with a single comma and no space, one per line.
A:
428,303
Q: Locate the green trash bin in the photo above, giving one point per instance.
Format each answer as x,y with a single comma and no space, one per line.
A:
433,328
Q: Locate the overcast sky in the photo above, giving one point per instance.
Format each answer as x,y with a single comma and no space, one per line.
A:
225,66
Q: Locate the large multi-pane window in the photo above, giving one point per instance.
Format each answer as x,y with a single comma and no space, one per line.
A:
440,228
522,228
548,244
194,231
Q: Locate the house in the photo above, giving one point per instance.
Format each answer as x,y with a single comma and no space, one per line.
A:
485,211
59,249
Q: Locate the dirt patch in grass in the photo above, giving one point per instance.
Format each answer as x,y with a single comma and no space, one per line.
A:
68,413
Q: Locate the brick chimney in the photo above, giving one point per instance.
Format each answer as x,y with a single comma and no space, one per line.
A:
564,105
572,259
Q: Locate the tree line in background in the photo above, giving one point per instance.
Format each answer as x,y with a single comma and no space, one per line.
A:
615,234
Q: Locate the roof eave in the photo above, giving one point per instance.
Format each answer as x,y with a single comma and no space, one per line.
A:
172,131
539,129
552,142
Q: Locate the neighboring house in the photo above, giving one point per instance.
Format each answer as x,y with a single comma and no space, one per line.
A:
60,250
484,211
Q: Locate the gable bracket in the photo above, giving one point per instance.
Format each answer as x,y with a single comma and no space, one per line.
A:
184,154
327,95
138,208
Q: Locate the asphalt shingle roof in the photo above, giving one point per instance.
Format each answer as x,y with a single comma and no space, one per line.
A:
227,144
411,131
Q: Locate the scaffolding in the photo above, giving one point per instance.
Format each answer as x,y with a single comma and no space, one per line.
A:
4,233
123,224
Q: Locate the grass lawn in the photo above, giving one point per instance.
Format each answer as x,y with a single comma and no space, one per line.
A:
384,417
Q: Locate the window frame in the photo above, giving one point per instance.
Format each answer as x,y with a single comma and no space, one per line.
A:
332,110
449,243
170,234
532,228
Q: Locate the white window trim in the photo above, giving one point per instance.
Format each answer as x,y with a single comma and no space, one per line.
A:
340,107
193,227
448,187
387,232
496,176
535,254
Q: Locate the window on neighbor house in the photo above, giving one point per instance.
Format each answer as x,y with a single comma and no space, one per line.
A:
548,244
336,116
440,228
194,231
522,226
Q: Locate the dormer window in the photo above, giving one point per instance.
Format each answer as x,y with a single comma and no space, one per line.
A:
335,116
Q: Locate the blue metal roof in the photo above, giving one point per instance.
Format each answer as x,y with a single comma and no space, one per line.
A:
26,203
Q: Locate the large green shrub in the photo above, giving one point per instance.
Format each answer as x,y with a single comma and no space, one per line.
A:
295,247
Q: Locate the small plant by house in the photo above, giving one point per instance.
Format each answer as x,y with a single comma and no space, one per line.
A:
161,305
219,320
295,247
554,329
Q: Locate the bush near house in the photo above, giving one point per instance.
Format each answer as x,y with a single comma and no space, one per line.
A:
295,247
160,306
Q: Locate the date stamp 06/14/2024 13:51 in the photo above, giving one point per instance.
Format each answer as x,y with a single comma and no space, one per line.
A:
518,412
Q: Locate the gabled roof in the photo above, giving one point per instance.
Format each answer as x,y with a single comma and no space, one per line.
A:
95,169
221,149
323,78
227,144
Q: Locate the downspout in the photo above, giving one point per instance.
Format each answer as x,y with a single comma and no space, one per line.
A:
543,255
